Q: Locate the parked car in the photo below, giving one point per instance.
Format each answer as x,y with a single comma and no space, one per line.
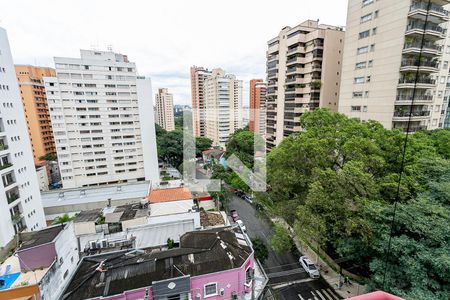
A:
239,193
309,267
234,215
247,198
241,224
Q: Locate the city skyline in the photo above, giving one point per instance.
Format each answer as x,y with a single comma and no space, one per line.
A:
64,34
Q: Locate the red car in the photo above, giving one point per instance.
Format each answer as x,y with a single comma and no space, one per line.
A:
234,215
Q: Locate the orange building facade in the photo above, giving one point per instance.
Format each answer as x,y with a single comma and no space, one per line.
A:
34,101
257,106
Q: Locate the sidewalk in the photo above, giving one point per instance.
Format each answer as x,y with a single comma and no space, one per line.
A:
327,273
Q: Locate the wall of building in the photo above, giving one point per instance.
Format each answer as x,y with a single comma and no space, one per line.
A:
42,176
16,149
170,208
34,101
67,257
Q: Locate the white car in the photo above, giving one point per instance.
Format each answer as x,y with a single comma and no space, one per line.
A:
241,224
309,267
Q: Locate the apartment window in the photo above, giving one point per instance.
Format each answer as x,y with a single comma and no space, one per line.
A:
361,65
366,2
210,289
375,14
356,108
357,94
374,31
364,34
372,47
442,79
445,65
359,80
366,18
447,50
365,108
366,94
370,64
368,78
362,50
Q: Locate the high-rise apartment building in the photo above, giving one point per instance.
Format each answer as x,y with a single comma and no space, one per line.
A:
257,122
388,43
20,199
198,77
303,73
103,121
164,109
34,102
223,106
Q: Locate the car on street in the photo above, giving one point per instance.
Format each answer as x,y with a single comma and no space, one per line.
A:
247,198
241,224
309,267
234,215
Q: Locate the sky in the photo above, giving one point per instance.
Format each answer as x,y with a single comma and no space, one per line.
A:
163,38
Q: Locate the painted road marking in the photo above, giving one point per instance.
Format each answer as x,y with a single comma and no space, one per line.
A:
332,294
300,296
320,295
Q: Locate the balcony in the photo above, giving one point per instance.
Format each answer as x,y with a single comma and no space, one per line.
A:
419,10
431,30
8,179
415,115
418,99
428,48
412,129
12,195
424,65
5,166
16,218
410,81
3,147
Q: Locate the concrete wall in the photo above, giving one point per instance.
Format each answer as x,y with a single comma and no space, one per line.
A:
169,208
81,228
56,278
37,257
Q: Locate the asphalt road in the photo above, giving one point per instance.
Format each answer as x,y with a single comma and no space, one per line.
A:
286,277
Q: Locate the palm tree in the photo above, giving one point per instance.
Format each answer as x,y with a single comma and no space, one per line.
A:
62,219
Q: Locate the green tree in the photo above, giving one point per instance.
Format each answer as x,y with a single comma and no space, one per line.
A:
280,240
202,144
261,251
49,157
242,144
63,219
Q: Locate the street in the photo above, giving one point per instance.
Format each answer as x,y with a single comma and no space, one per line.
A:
282,269
286,277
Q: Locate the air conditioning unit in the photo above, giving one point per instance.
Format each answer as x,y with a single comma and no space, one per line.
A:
234,296
222,292
103,243
93,245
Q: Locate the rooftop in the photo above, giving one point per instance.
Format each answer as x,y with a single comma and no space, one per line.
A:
113,214
200,252
169,194
61,197
41,237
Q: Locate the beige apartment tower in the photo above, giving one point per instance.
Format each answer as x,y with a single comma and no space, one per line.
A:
303,73
198,77
164,109
34,100
388,43
223,106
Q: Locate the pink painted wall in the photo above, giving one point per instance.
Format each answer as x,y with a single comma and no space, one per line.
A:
235,278
37,257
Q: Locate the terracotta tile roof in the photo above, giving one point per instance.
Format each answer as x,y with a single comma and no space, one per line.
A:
170,194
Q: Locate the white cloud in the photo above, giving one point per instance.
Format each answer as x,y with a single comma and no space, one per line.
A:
164,38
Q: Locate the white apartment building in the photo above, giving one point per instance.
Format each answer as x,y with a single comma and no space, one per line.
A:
223,106
386,44
164,109
103,120
20,199
303,73
198,77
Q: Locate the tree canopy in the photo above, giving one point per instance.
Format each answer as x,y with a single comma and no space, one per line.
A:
336,182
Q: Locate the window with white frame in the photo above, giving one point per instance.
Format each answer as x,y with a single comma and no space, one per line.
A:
366,2
356,108
357,94
364,34
362,50
361,65
359,79
366,18
210,289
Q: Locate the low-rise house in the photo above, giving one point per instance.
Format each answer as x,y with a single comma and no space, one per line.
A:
42,265
208,264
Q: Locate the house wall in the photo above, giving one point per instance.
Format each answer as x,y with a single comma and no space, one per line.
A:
230,281
56,278
37,257
170,208
84,228
26,292
134,222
